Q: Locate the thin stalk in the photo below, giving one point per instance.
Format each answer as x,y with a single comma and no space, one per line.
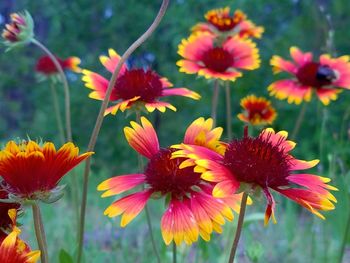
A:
40,233
345,239
299,121
239,227
214,102
228,111
56,107
65,86
174,252
148,216
100,118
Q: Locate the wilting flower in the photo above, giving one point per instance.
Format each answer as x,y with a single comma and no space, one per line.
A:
204,57
191,210
6,222
14,250
46,67
19,31
257,111
324,77
262,163
31,171
133,88
220,22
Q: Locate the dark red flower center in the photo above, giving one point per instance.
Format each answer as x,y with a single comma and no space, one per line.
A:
257,161
217,59
223,22
138,82
316,75
163,175
258,110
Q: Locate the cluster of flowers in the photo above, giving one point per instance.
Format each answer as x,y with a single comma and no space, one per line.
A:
202,178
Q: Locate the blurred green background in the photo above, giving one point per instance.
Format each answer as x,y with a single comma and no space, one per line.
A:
87,28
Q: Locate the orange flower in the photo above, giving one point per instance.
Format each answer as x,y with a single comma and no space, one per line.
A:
14,250
46,67
220,22
31,171
203,56
257,111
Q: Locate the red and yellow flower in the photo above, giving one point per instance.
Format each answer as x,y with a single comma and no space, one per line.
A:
262,163
257,111
14,250
202,56
46,67
19,31
31,171
133,88
6,222
324,76
220,22
192,210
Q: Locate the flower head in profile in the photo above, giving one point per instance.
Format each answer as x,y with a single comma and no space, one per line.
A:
134,88
257,111
324,76
20,30
31,171
202,56
191,210
14,250
265,163
46,67
220,22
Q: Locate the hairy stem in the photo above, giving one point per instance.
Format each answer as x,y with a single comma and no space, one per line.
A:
228,111
214,102
239,227
299,121
39,232
65,86
99,119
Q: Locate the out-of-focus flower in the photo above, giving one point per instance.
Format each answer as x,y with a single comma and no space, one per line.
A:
257,111
220,22
46,67
203,57
262,163
19,31
134,88
6,222
31,171
324,76
191,209
14,250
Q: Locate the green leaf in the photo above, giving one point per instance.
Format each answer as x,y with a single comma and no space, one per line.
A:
64,257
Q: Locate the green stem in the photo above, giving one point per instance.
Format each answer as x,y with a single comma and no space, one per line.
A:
215,99
100,118
148,216
239,227
39,232
56,107
345,238
299,122
228,111
174,252
65,86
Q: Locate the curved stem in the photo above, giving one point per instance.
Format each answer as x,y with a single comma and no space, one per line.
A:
56,107
148,216
239,227
214,102
39,232
299,122
228,111
65,86
100,116
174,252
